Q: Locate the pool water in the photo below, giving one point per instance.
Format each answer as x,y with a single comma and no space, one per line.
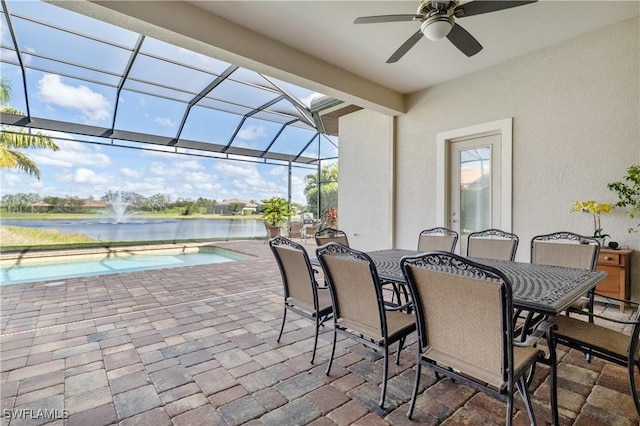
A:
62,267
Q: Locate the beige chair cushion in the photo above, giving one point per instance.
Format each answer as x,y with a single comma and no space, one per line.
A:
594,334
490,248
430,242
570,255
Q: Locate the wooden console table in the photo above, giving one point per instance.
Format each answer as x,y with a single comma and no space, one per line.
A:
617,265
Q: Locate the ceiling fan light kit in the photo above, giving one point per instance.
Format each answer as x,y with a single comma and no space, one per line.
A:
437,27
438,20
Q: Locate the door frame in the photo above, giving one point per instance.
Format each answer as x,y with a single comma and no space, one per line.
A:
502,127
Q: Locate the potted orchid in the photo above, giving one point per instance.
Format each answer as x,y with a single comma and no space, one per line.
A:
595,209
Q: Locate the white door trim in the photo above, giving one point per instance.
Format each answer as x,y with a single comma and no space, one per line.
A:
503,127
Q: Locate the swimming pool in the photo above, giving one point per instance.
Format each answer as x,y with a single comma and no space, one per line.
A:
44,268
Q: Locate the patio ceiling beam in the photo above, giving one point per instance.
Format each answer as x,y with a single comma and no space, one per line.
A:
275,138
142,138
125,75
317,135
19,55
187,25
215,83
249,114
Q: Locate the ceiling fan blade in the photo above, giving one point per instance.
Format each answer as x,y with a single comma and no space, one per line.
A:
464,41
386,18
405,47
479,7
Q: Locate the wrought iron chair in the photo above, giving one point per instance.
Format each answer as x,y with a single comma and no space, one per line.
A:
331,235
492,244
562,249
569,250
440,238
295,229
477,347
602,342
302,294
309,230
359,308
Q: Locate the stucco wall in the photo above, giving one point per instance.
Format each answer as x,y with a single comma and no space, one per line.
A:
366,176
576,127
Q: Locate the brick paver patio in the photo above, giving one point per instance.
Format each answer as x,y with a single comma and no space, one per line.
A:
197,346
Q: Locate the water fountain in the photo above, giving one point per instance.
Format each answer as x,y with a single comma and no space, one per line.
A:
118,206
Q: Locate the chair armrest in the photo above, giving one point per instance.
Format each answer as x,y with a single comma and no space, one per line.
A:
609,319
630,302
399,307
541,331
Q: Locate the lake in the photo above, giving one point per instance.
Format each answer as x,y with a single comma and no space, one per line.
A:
151,229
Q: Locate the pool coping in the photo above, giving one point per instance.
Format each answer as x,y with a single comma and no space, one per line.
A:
38,256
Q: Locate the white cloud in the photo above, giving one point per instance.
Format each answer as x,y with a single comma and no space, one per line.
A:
236,170
93,106
163,121
70,154
252,132
84,176
130,172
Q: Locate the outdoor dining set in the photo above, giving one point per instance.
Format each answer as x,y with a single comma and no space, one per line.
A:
478,319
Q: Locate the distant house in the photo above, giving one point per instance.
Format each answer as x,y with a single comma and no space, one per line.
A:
223,207
93,204
42,207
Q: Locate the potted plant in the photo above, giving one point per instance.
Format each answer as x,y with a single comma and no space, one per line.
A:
275,212
629,193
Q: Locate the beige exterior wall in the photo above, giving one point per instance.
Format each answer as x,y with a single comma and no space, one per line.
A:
366,179
576,127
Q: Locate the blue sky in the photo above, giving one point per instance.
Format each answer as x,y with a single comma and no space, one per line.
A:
86,94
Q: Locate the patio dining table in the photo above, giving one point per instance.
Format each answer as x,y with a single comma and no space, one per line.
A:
545,289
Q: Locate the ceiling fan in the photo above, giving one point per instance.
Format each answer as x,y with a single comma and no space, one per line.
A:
438,21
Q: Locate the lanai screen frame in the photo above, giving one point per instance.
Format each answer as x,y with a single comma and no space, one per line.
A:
315,149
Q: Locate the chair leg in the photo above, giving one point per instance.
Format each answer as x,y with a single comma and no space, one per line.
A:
284,318
385,374
400,346
333,351
509,415
632,384
315,341
523,388
416,383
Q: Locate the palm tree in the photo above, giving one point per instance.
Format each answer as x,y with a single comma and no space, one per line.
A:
19,139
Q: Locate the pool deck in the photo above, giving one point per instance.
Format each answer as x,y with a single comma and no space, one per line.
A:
196,345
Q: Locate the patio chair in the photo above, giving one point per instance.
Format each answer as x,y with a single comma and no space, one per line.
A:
331,235
603,342
302,294
440,238
569,250
359,308
492,244
563,249
295,229
309,230
474,347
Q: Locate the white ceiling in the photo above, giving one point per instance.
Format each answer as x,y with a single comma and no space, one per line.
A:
325,29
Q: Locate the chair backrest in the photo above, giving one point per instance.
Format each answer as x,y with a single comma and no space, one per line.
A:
353,282
463,311
296,271
440,238
565,249
310,230
295,228
492,244
331,235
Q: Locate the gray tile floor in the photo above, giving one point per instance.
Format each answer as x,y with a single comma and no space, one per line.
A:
197,346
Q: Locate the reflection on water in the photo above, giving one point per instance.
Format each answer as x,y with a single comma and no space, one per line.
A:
151,229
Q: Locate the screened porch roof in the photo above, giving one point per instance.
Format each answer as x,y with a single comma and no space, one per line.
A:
75,75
